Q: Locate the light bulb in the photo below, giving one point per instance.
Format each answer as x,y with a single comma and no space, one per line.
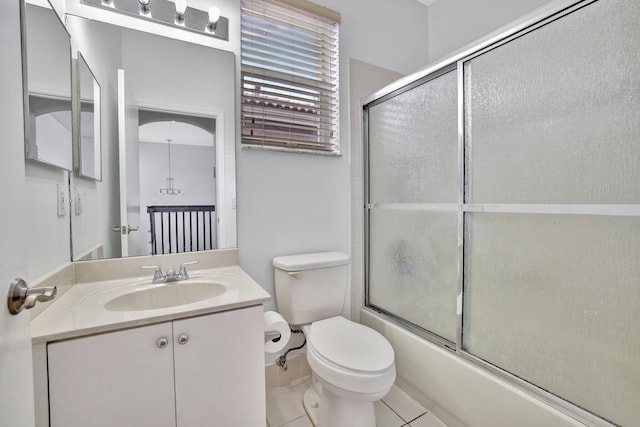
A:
214,15
181,8
144,6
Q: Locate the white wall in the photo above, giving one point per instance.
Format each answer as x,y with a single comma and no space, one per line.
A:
297,203
456,23
47,234
390,34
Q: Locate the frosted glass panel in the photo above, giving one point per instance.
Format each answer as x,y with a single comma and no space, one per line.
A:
555,300
413,145
413,267
554,116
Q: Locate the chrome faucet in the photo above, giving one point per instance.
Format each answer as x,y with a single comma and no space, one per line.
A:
171,275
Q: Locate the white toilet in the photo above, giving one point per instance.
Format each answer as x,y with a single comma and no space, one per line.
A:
353,365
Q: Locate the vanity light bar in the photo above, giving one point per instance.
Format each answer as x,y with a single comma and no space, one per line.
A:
164,12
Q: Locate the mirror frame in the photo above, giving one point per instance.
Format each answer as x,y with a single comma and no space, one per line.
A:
77,120
25,83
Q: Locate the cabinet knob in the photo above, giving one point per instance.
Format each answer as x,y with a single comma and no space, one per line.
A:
162,342
183,339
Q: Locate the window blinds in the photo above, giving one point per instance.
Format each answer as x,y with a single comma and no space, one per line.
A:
289,78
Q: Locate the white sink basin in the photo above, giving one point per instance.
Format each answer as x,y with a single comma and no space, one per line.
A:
165,295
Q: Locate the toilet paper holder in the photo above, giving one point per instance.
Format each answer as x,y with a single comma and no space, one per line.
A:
272,336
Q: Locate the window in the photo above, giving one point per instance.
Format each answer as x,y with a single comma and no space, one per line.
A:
289,76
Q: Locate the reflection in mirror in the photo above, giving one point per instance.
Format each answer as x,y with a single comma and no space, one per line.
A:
177,193
148,82
49,133
88,153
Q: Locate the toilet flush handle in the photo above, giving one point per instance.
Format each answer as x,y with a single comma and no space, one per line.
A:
296,274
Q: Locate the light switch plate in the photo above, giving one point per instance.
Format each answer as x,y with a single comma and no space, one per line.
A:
78,202
62,200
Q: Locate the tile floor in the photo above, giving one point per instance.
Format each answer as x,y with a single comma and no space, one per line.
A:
397,409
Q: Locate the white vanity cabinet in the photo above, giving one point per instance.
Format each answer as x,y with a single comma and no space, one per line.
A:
118,378
209,373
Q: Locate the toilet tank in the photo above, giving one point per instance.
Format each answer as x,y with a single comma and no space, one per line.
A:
311,287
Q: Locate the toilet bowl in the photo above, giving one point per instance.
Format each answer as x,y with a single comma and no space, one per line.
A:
352,365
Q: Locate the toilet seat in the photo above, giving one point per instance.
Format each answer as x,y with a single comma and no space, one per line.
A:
350,357
350,345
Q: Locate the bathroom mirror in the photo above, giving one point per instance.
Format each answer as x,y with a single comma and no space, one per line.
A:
155,89
48,106
87,155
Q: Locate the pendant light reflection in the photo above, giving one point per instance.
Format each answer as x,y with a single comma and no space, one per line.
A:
170,190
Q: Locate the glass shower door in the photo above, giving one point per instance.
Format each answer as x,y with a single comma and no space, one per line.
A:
413,181
552,225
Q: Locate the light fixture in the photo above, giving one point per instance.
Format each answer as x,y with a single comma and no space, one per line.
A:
181,9
144,6
214,17
174,13
170,190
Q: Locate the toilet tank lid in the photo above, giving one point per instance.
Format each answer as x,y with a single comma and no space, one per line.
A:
310,261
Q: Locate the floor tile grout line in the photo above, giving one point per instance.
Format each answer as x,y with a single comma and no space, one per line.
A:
419,416
296,419
410,398
399,416
289,390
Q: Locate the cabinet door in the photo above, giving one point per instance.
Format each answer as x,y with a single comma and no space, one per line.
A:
119,379
220,370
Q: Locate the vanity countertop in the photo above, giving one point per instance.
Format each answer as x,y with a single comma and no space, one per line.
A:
80,311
